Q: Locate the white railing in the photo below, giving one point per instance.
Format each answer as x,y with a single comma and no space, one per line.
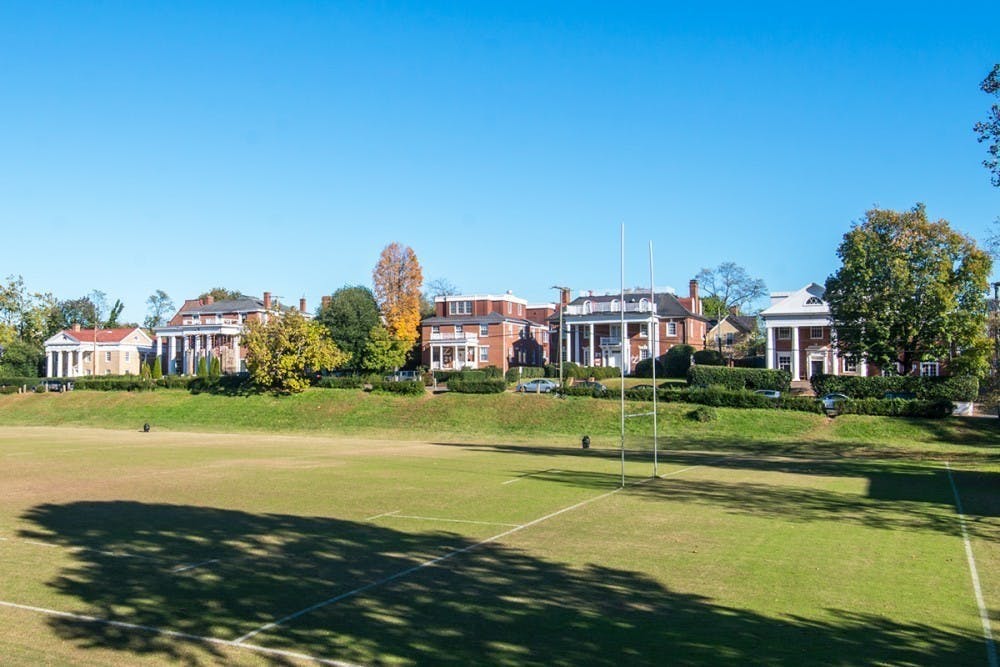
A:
470,339
610,340
606,307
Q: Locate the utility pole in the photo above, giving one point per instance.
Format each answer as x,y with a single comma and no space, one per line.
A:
562,290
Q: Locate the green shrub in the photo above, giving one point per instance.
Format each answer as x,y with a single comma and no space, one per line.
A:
202,368
578,372
346,382
231,385
493,373
215,368
174,381
156,372
739,378
896,407
20,381
518,373
703,414
639,394
594,392
114,383
644,368
709,358
461,386
677,361
958,388
407,388
9,389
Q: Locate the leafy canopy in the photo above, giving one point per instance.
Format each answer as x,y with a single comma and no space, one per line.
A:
910,290
382,352
728,286
397,278
158,306
350,316
989,129
283,351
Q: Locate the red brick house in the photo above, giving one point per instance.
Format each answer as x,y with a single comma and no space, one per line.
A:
592,329
476,331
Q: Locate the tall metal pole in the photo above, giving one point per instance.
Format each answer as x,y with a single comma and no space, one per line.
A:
562,347
654,330
622,338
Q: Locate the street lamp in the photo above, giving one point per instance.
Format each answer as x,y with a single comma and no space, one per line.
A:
562,290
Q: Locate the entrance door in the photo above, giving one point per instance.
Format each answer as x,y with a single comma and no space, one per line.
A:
815,367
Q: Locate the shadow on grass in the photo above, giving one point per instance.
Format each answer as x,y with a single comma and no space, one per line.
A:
490,605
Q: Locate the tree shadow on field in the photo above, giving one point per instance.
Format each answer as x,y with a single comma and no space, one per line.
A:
492,604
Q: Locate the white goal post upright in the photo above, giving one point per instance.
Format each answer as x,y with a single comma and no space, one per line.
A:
653,342
622,342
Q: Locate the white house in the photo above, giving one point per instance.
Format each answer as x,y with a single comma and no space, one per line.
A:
77,352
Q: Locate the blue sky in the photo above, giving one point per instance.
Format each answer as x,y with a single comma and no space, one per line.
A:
279,146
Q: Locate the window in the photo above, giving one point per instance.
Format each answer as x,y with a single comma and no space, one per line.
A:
484,353
929,369
435,330
671,328
128,356
107,371
614,305
784,333
643,330
644,353
484,330
850,366
508,307
588,307
785,362
815,332
814,301
459,330
730,339
107,356
643,305
459,307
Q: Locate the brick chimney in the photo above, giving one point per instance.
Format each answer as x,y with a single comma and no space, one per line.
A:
693,293
267,301
564,297
325,301
76,326
209,300
302,305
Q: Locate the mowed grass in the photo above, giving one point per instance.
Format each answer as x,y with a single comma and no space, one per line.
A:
807,541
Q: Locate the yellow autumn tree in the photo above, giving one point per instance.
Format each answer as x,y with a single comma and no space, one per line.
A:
397,279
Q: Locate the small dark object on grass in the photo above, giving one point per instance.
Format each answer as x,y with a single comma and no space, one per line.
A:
703,414
585,442
145,428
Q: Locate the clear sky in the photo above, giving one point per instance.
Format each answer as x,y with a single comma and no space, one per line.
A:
280,145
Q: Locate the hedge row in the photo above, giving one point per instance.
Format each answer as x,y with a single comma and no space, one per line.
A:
346,382
477,375
739,378
959,388
595,392
578,372
518,373
408,387
126,383
897,407
477,386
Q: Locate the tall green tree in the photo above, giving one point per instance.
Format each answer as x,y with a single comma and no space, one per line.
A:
350,316
284,351
158,307
223,294
726,286
382,352
910,290
989,129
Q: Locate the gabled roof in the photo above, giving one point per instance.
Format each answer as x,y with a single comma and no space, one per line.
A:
743,323
246,305
667,304
104,336
475,320
806,301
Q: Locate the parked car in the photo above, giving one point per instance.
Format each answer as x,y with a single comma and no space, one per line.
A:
403,376
591,384
769,393
831,400
538,385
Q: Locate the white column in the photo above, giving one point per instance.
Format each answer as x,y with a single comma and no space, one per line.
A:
236,355
795,353
159,347
770,346
197,353
59,368
209,347
593,344
48,364
454,358
172,355
863,367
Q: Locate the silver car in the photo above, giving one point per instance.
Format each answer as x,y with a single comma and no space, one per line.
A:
538,385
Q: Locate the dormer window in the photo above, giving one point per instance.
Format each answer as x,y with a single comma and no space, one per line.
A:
814,301
459,307
614,305
588,307
643,305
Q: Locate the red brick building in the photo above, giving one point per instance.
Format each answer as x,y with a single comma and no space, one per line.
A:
476,331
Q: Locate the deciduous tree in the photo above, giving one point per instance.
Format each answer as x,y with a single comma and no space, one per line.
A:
910,290
158,306
223,294
989,129
397,279
283,351
350,316
382,352
726,286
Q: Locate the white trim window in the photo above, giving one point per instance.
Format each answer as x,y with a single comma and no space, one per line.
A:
785,362
128,356
459,330
484,330
784,333
484,353
435,330
929,369
815,332
643,330
850,366
107,355
459,307
671,328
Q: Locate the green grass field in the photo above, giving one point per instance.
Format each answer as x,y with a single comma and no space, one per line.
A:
346,532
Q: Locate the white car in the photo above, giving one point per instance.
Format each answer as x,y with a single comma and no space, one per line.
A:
769,393
831,400
539,385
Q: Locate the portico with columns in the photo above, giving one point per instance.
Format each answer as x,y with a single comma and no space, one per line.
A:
77,352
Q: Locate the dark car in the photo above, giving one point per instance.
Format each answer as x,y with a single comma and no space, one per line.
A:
597,386
904,395
769,393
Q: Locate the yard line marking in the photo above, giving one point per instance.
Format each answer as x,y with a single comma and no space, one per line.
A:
175,634
529,474
379,516
434,561
435,518
185,568
984,617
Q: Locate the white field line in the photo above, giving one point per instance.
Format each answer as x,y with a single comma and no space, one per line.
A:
185,568
440,559
174,634
435,518
49,545
530,474
379,516
984,617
